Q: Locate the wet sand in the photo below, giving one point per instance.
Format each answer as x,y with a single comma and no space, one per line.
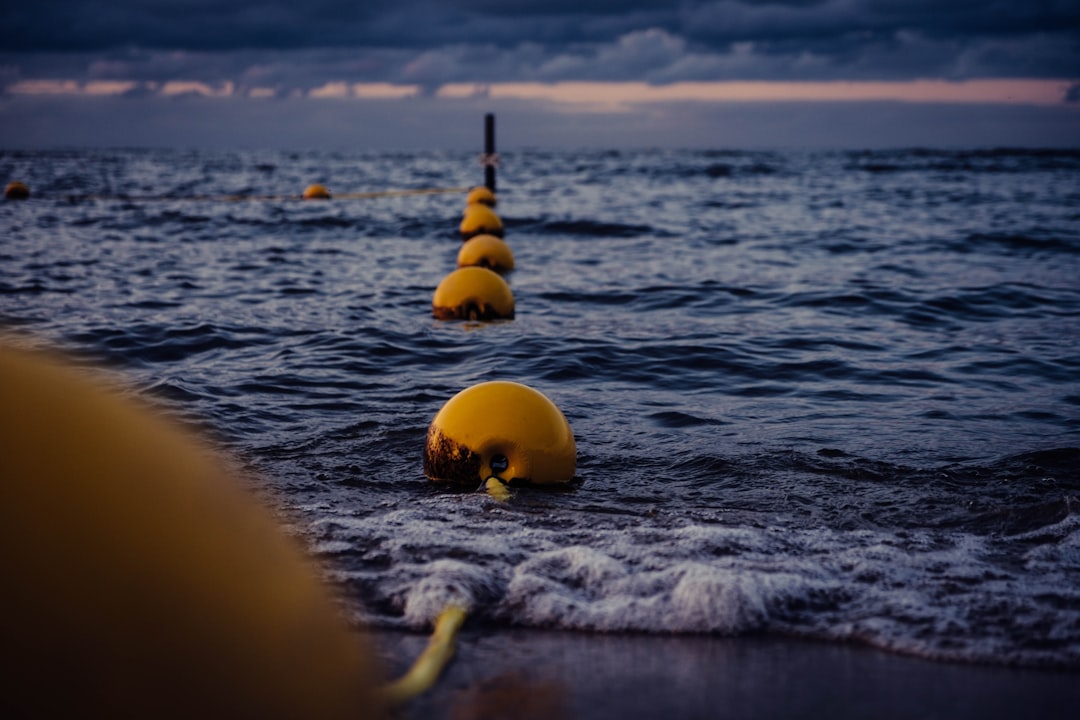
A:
529,674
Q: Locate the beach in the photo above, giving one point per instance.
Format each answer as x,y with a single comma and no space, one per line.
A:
537,674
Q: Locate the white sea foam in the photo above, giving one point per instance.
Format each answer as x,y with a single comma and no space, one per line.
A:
934,594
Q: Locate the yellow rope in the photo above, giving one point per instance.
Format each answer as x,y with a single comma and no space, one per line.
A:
395,193
497,489
270,198
425,671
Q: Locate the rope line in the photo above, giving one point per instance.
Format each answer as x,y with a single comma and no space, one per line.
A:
425,671
267,198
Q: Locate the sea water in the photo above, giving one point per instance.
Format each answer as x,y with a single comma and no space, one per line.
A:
821,394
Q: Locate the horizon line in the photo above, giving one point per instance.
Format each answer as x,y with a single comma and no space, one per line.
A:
598,95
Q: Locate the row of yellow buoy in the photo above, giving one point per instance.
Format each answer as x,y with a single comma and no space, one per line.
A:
232,613
138,567
476,290
519,434
496,433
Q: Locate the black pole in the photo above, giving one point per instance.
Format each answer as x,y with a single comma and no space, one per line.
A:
489,151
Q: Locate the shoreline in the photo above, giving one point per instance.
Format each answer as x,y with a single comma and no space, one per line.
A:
555,674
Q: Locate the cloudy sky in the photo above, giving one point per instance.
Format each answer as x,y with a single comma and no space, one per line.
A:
558,73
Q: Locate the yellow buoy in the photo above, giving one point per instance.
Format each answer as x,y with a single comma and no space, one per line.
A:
141,579
316,192
480,220
486,251
503,430
481,195
16,191
473,293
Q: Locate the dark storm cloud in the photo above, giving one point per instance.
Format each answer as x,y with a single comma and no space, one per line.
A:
76,25
427,42
72,25
176,67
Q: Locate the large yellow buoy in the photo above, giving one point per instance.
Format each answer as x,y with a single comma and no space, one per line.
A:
16,191
486,251
480,220
473,293
503,430
481,195
316,192
142,581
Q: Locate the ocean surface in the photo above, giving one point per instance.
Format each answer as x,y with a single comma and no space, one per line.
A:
832,395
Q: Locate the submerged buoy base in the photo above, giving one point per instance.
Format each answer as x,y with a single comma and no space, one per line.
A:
473,293
502,430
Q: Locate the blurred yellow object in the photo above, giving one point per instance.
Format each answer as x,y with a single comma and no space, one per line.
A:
473,293
503,430
486,251
480,220
481,195
142,581
316,192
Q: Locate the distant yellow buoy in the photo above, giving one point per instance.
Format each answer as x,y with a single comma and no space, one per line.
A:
316,192
481,195
141,580
16,191
502,430
486,251
480,220
473,293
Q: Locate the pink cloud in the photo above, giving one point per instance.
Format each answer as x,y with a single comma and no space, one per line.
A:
615,96
619,96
